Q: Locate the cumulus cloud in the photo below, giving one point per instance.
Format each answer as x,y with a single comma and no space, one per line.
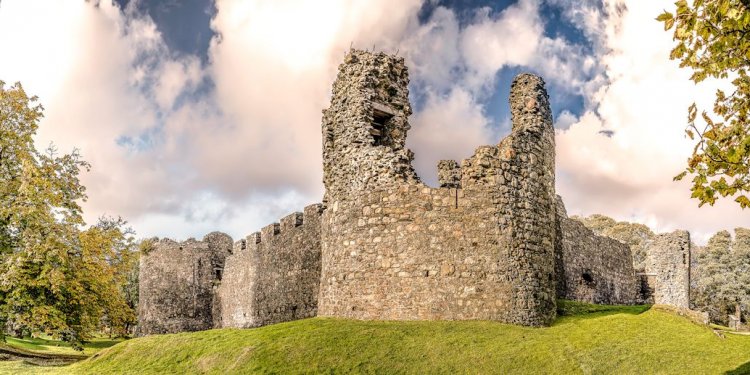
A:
448,127
619,157
230,145
455,69
182,145
512,39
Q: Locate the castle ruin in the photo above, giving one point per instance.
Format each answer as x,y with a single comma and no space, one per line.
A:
492,242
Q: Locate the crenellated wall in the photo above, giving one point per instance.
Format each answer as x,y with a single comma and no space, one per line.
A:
177,284
274,275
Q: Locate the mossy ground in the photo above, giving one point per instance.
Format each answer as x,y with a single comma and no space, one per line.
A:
587,339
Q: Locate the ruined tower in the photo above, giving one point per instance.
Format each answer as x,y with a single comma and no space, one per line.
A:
479,247
667,273
364,129
177,284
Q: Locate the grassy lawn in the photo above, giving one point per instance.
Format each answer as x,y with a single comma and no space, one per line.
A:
588,339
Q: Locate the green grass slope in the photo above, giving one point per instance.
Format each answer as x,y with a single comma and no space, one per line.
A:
590,339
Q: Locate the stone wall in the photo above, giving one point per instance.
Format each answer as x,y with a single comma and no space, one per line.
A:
274,275
668,269
177,284
414,253
394,248
596,269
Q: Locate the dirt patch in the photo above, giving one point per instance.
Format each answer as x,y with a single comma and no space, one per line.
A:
39,359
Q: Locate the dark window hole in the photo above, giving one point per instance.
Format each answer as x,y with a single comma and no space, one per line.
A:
586,276
378,129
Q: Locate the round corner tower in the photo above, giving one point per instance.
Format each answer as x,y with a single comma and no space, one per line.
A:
481,246
532,201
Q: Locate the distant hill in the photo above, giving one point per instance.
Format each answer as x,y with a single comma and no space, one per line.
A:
586,339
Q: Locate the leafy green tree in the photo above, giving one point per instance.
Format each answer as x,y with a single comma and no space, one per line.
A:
54,277
713,39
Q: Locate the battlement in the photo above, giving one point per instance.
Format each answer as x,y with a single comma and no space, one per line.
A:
269,231
291,221
276,278
310,214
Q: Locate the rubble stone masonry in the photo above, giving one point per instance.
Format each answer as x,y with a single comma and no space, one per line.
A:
492,242
274,274
595,269
177,284
398,249
668,269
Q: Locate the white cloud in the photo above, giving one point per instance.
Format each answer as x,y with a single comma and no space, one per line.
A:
629,175
432,51
179,158
510,39
449,127
163,152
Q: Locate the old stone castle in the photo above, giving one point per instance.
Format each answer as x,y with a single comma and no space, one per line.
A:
493,242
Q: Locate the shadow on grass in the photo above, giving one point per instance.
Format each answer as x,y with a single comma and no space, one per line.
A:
9,353
102,344
586,311
742,369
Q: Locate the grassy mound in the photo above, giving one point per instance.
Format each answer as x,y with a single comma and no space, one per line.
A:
587,339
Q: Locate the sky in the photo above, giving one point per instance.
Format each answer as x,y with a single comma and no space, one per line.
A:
205,115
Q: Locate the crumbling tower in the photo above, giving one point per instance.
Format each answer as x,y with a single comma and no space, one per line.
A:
479,247
531,204
667,274
364,129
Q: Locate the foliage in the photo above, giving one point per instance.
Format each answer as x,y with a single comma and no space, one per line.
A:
111,252
722,275
637,236
620,340
713,39
54,277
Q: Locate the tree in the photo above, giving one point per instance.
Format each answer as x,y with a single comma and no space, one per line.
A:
711,275
110,257
54,277
722,276
713,39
